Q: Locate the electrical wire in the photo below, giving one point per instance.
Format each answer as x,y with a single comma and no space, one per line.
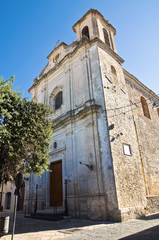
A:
111,109
131,109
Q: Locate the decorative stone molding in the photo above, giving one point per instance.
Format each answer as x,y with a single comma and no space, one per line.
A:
56,57
83,58
70,54
68,71
57,151
43,89
87,108
36,80
69,133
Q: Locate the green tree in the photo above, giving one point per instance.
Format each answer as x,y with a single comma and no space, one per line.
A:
25,133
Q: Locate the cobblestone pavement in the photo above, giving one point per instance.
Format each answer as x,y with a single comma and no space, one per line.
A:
75,229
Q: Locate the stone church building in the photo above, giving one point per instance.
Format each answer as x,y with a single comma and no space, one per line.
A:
105,144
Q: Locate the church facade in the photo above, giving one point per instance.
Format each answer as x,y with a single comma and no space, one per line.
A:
106,130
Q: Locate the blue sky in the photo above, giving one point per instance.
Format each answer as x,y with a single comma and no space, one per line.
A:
30,29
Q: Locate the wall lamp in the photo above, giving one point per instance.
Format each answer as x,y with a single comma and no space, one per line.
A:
89,166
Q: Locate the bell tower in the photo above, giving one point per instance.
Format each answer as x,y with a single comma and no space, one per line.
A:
93,25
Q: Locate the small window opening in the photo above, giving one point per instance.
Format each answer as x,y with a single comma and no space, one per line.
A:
106,37
113,70
145,107
55,145
85,32
8,200
58,100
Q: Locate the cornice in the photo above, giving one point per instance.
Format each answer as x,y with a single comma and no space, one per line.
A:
140,84
56,151
109,50
87,108
80,44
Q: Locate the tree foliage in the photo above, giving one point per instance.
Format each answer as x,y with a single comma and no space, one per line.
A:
25,133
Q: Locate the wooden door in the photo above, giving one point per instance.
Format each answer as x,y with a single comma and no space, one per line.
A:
56,193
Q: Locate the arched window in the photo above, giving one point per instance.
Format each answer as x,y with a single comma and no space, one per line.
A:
158,111
85,32
106,37
145,107
58,100
113,70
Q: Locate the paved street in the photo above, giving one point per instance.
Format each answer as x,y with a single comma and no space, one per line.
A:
73,229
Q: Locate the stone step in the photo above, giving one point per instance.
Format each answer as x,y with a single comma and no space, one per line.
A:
46,216
52,210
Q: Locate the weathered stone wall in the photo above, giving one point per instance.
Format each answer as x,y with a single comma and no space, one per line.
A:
104,147
148,133
129,179
152,204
